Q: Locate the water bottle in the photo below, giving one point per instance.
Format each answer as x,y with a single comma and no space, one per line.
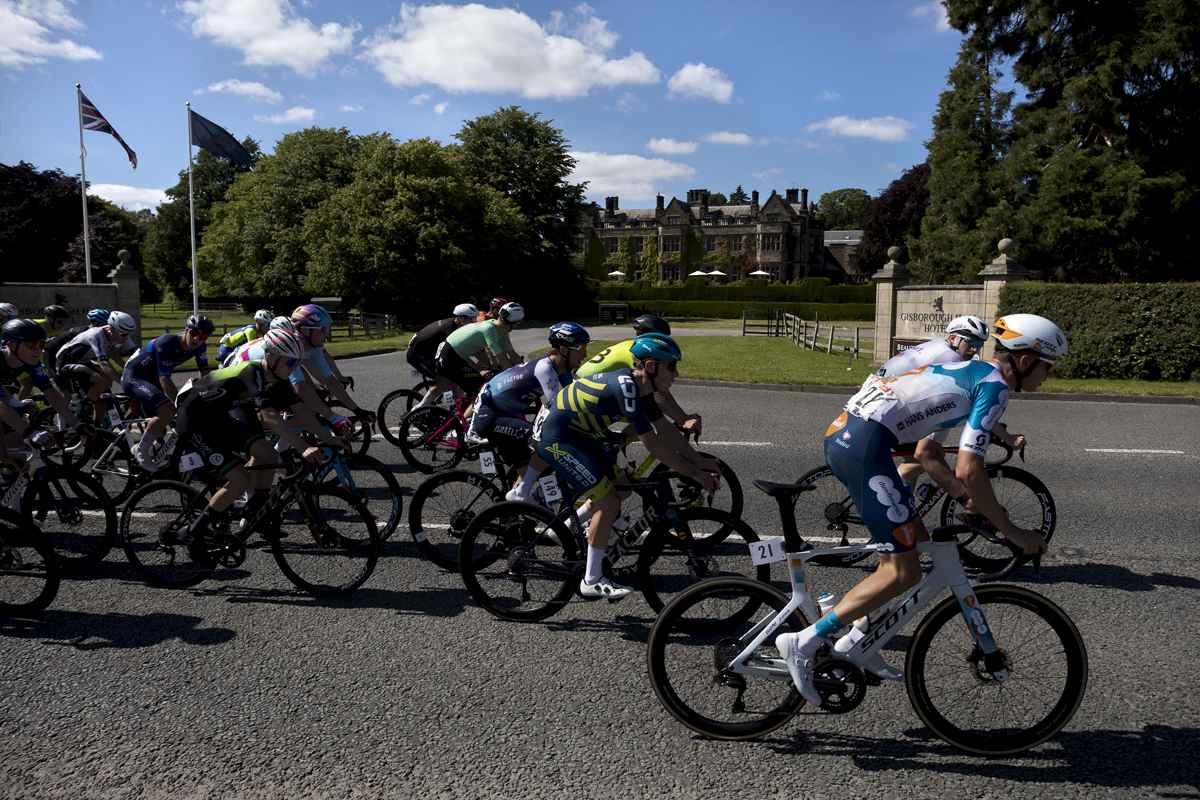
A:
618,527
826,602
857,631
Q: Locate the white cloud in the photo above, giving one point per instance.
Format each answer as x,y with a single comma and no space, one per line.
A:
828,96
883,129
440,107
892,168
628,175
628,102
252,89
27,39
670,147
934,11
473,48
421,98
269,32
297,114
767,174
351,108
699,80
725,137
130,197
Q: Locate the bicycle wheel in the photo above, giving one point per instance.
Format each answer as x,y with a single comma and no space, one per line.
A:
75,450
431,440
373,484
76,516
695,638
821,512
327,543
29,571
360,440
113,466
511,565
722,544
443,507
965,705
727,498
153,525
391,413
1028,504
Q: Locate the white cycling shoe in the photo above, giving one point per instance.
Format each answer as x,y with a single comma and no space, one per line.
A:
881,669
604,588
799,665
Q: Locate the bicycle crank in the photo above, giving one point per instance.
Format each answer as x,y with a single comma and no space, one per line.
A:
841,685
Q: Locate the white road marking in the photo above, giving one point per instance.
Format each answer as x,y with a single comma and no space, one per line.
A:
1151,452
706,443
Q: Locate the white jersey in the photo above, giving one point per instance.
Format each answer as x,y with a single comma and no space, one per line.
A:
92,345
935,351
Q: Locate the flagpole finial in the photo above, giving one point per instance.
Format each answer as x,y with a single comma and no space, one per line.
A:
77,86
188,104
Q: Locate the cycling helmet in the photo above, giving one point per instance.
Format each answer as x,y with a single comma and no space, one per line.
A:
1029,332
311,316
264,316
497,303
511,312
22,330
282,343
56,312
968,326
8,309
651,323
99,315
199,322
569,334
658,348
282,324
466,310
121,323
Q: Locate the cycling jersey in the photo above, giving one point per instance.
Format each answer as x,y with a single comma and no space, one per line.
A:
253,351
157,359
507,396
91,345
935,351
55,344
470,339
615,357
235,339
423,347
11,375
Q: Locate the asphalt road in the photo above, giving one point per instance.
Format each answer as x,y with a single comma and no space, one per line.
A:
243,687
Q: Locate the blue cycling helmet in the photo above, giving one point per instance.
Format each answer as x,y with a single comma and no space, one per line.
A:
98,315
655,347
22,330
569,334
199,322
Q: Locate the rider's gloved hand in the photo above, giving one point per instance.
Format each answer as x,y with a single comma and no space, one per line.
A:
40,439
339,423
85,429
364,416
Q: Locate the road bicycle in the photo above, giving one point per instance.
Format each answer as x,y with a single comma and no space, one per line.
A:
360,432
433,438
727,498
523,561
1024,498
322,537
111,460
396,405
29,572
1007,676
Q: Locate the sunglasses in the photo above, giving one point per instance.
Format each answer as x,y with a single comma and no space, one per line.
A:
973,343
36,344
672,366
197,332
1053,364
581,348
291,364
321,328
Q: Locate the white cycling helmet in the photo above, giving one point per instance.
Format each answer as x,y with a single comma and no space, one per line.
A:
968,326
121,323
8,309
283,324
466,310
282,343
1029,332
512,312
264,316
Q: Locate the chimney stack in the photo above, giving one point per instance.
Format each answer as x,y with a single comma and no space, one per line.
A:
754,200
610,204
792,195
804,198
659,206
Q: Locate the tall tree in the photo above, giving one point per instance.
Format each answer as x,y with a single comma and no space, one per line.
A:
110,230
893,218
40,216
739,197
842,209
718,199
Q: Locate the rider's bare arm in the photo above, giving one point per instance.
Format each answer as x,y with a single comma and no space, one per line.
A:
690,422
973,474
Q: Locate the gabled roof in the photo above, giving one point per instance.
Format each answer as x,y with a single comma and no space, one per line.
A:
843,237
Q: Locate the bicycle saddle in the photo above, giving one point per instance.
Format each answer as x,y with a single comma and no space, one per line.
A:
784,489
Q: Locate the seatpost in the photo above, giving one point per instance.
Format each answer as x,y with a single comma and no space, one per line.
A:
787,520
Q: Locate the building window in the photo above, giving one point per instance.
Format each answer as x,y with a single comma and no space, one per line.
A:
672,273
673,220
612,244
670,244
772,241
772,218
735,244
637,244
710,244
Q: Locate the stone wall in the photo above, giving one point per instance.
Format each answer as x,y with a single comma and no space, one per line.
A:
123,293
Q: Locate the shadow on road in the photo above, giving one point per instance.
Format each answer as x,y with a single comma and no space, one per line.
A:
1111,576
84,631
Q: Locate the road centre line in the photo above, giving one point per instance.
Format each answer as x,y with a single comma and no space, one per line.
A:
1144,452
736,444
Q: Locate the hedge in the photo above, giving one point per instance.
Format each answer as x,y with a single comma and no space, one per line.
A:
810,290
1125,331
864,312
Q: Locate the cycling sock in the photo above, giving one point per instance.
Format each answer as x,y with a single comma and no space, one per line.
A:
828,625
584,513
203,521
526,485
595,565
426,400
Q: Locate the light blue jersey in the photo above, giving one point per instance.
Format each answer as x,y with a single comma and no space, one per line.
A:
314,356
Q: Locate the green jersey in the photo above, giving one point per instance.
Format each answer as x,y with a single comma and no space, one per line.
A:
609,360
470,339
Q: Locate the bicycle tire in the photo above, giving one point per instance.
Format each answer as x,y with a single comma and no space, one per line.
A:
375,486
506,546
151,525
360,440
76,516
727,498
392,410
722,544
442,508
29,572
1028,504
957,698
328,544
422,453
117,473
695,635
828,504
75,450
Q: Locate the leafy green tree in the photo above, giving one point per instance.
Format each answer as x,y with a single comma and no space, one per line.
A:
718,199
841,210
110,230
40,216
893,218
739,197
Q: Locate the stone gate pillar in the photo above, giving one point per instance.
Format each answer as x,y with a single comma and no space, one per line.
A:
129,291
1001,271
891,277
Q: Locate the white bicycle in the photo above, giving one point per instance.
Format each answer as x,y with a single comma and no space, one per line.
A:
1004,679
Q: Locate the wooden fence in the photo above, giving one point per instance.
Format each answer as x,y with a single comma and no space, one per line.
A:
351,326
809,334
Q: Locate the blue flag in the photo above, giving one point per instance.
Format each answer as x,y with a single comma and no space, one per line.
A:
218,141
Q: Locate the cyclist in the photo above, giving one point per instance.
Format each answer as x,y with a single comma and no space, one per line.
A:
7,312
53,321
422,348
147,377
260,390
498,409
858,448
235,339
85,359
21,344
583,411
480,344
97,318
493,310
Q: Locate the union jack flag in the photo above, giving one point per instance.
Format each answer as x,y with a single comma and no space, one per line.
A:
93,120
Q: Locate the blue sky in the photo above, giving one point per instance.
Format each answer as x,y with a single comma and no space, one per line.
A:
655,96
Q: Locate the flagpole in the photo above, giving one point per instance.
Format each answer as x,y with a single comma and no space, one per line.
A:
192,213
87,248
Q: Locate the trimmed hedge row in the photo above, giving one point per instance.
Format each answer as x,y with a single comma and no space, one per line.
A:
1126,331
864,312
810,290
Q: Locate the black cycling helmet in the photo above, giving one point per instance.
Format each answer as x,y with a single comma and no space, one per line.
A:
651,323
56,312
22,330
199,322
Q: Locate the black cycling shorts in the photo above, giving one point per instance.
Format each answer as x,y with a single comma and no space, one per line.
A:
221,441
